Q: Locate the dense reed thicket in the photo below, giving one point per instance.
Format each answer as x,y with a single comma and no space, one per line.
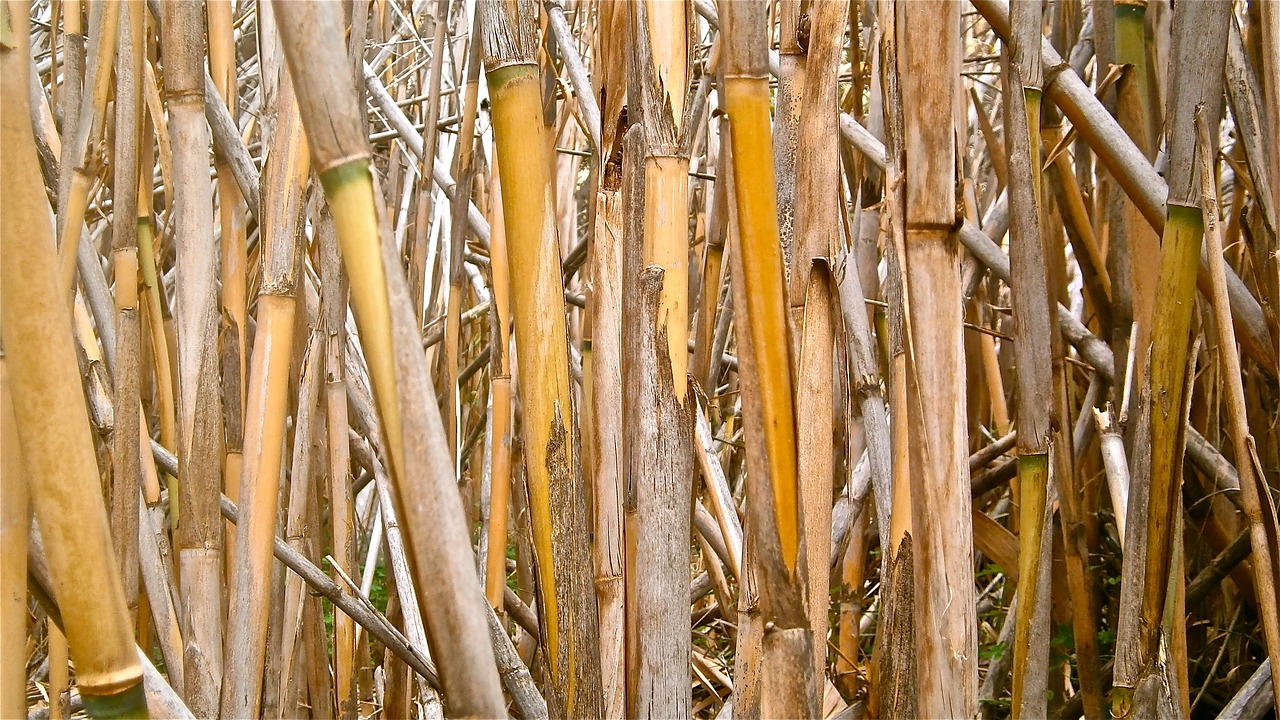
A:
665,358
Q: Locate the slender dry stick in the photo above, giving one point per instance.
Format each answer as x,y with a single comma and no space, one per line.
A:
126,468
464,159
606,433
15,523
300,488
285,182
80,163
765,375
495,576
1259,509
566,601
411,428
1270,72
342,503
69,94
417,261
49,409
1031,326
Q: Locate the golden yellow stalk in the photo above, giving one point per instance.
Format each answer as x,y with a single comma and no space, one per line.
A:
285,180
49,409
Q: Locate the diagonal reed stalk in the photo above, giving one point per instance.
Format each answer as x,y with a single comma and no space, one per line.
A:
439,547
49,411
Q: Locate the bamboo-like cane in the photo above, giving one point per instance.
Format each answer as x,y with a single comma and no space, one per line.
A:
659,78
816,212
1031,326
49,409
234,264
566,600
765,374
79,164
199,531
607,439
495,576
413,433
126,467
927,64
285,180
1197,60
342,503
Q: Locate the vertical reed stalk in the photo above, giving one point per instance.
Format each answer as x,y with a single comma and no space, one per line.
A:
285,181
1031,325
566,601
928,62
199,529
765,374
126,468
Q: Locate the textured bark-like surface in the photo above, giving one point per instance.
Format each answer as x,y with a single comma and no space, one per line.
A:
199,528
556,495
449,595
661,471
605,304
897,684
927,56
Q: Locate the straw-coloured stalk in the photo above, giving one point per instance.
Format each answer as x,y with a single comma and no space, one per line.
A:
285,180
199,530
440,554
234,261
1031,326
495,576
1255,495
566,600
606,434
927,65
333,317
79,163
49,409
816,213
764,359
659,78
1197,60
15,523
126,470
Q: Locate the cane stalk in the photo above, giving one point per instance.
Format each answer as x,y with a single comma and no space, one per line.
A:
765,374
50,418
439,545
557,502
